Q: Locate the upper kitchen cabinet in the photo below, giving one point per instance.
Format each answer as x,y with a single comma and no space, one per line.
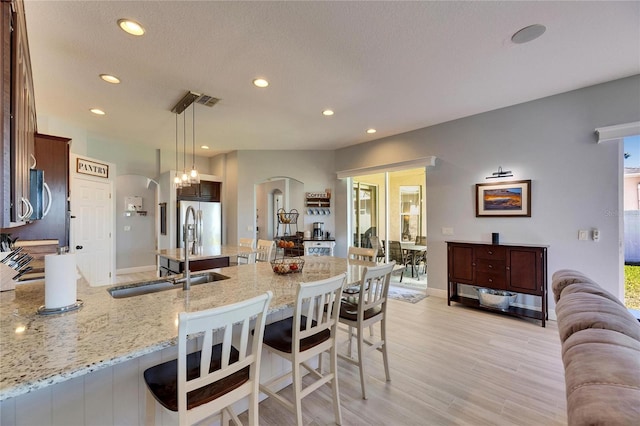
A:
18,121
204,191
52,155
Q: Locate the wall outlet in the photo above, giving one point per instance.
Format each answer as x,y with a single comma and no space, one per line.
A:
583,235
595,234
447,231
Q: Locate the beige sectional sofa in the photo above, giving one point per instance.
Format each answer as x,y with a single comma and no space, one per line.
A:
600,351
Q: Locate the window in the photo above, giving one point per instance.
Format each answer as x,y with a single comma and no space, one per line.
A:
410,212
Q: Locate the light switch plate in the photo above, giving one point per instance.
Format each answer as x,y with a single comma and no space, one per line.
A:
583,235
447,231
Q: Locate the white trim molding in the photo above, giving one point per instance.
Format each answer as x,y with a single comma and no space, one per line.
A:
619,131
392,167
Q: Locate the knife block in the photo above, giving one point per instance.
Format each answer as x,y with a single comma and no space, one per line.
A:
6,275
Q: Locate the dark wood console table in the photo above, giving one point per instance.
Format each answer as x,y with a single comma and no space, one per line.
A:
515,268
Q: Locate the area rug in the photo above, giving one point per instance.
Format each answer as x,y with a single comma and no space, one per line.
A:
405,294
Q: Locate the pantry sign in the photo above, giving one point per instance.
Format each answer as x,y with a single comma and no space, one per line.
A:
92,168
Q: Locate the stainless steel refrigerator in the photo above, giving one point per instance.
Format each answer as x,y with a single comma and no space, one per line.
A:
209,218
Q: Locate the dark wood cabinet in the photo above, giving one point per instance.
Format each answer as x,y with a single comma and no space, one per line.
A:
52,155
514,268
203,191
169,266
18,115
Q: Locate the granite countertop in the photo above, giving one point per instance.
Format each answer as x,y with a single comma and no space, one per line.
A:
41,350
210,252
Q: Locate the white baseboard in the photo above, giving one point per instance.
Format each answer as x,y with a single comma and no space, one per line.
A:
136,269
436,292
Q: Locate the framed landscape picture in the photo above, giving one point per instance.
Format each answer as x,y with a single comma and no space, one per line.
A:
503,199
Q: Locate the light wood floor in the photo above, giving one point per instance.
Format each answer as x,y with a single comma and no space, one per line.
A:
449,366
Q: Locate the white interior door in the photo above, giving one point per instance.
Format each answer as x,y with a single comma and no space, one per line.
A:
91,205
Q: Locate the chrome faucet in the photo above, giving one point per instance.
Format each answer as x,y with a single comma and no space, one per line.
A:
186,231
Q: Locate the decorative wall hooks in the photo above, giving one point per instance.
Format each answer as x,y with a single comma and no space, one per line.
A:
500,174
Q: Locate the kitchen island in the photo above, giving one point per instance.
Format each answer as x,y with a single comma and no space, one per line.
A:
96,356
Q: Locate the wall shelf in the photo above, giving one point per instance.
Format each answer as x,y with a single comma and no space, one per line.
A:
318,199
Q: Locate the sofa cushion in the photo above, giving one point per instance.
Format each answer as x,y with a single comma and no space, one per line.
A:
603,405
580,311
593,288
602,374
565,277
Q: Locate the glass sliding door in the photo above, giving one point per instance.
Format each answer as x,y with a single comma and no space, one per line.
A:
389,205
410,212
364,213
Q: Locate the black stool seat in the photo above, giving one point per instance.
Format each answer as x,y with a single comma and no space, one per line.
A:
162,380
279,334
349,310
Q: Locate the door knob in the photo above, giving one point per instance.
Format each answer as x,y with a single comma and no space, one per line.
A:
78,247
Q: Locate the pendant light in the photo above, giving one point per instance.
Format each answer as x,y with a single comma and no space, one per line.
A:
177,182
195,177
185,177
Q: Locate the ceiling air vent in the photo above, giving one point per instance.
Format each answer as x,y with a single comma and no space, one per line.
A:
207,100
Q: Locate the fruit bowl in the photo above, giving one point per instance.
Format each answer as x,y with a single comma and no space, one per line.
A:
287,265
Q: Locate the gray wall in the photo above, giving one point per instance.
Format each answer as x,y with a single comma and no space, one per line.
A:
575,181
315,169
135,247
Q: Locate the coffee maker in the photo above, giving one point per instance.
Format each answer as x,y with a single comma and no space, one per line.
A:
318,230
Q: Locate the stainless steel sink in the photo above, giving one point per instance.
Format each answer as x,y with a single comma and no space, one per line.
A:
162,284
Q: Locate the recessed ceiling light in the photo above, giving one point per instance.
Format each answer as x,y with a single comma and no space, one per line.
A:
371,131
260,82
97,111
110,78
131,27
327,112
528,34
204,147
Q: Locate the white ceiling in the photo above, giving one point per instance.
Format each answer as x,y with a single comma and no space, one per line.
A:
394,66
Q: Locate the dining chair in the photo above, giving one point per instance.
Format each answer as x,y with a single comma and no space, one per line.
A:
200,384
250,257
264,250
309,333
365,310
420,256
397,254
361,253
378,246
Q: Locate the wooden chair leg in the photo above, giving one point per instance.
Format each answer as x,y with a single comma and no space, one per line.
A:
334,385
253,409
385,358
360,332
297,392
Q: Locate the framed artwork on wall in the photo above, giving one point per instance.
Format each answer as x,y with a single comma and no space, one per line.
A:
504,199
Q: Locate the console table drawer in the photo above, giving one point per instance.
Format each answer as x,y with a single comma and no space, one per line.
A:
490,252
490,265
491,280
